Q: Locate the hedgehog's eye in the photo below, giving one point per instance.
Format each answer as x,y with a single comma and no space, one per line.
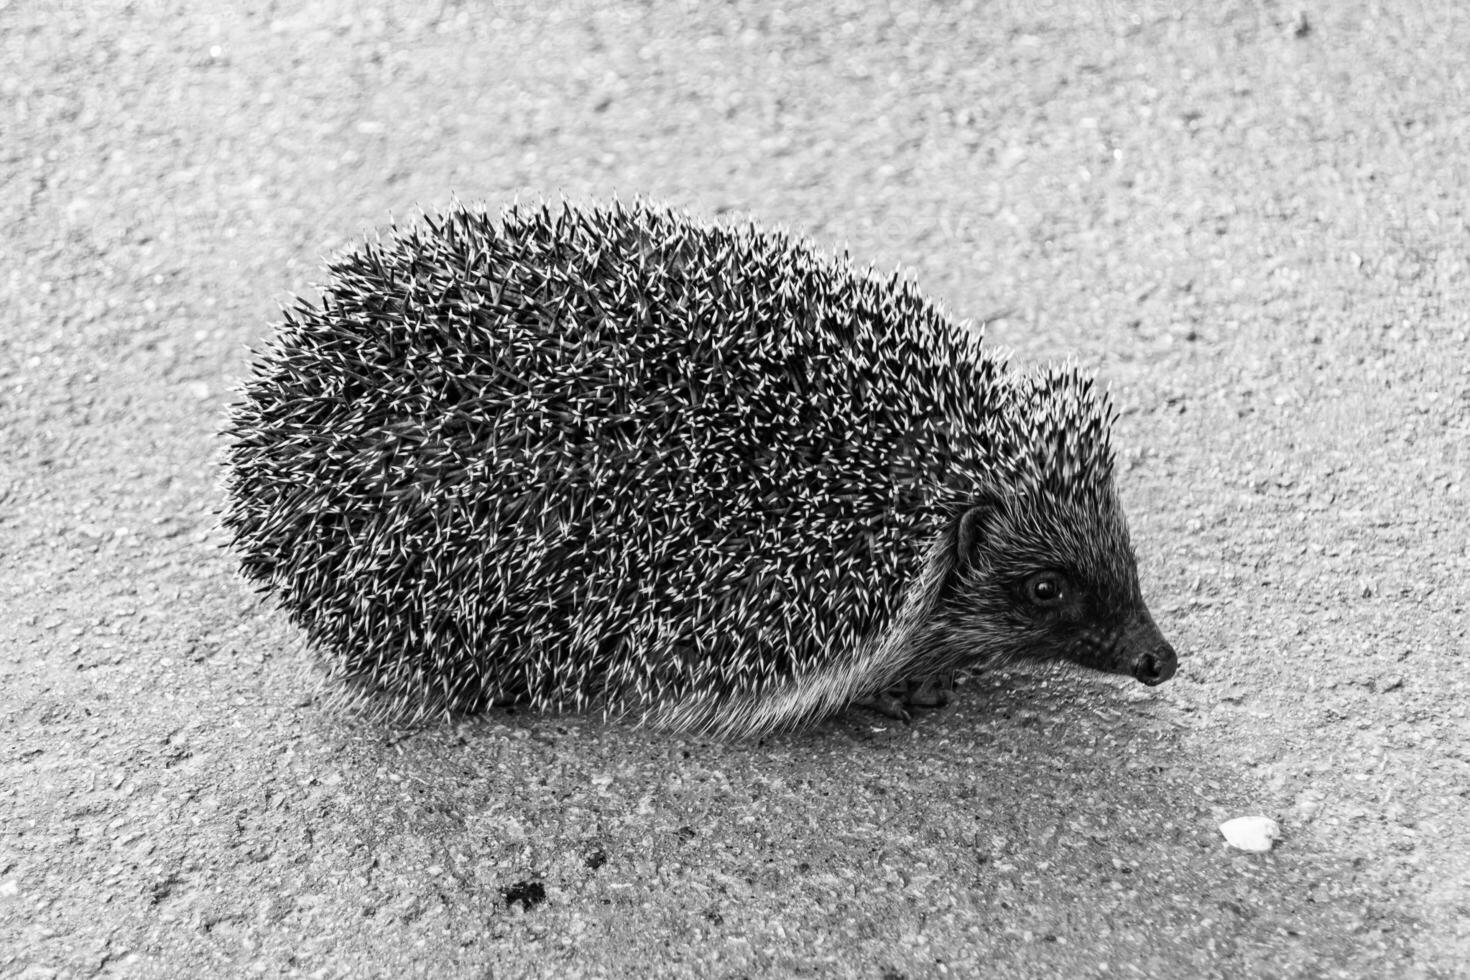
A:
1046,588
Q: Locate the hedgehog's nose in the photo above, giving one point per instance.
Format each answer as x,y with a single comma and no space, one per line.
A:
1156,666
1155,660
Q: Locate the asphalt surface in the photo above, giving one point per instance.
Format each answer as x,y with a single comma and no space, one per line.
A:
1249,219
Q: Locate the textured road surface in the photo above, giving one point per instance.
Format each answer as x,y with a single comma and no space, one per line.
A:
1250,219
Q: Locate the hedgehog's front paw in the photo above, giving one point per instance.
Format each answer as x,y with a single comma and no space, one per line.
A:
899,700
929,692
888,704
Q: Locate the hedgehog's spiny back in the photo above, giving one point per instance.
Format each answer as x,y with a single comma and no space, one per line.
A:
605,456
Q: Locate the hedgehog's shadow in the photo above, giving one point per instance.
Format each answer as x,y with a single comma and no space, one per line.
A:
1066,701
1049,694
1024,696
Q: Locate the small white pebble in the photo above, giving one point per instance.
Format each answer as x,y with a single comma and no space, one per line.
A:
1251,833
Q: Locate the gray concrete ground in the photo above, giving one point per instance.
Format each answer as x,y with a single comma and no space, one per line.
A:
1249,217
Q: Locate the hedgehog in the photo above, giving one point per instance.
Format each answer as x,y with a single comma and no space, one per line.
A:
694,474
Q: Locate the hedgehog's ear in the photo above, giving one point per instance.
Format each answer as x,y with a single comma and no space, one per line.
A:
972,527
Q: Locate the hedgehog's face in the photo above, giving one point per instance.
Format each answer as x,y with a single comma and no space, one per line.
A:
1046,578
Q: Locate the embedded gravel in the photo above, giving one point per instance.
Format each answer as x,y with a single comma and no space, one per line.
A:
1250,219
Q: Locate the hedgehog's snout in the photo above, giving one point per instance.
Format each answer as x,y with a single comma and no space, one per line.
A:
1153,659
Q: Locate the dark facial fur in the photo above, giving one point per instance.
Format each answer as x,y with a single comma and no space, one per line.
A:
1037,576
